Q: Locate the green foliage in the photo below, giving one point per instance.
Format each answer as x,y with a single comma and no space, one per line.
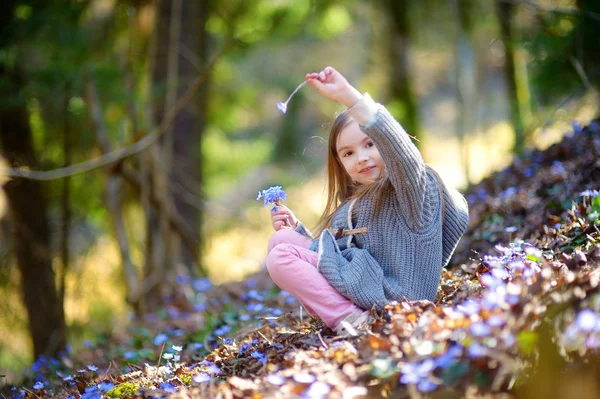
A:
124,390
563,39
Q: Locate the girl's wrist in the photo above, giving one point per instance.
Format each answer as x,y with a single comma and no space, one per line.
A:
350,97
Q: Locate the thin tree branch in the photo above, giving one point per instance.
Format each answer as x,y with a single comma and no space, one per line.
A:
584,78
112,194
120,154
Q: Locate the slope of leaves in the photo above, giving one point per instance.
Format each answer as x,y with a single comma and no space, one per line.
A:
519,310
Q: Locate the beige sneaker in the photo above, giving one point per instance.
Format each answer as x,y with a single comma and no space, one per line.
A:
352,324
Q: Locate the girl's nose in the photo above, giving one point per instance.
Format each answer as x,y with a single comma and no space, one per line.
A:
363,158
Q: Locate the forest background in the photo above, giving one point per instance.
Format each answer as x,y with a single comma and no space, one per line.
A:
137,133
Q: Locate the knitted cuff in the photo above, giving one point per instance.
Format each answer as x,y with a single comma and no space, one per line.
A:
300,228
364,111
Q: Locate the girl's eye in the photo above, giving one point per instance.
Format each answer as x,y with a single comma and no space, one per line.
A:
347,154
370,144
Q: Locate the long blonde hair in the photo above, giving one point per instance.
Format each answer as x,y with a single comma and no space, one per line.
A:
340,186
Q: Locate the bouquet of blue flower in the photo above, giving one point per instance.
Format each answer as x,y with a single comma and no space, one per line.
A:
272,195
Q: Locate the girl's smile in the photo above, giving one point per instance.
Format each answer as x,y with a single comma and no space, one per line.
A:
358,155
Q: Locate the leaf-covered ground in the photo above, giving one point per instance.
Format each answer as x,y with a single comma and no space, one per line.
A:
518,315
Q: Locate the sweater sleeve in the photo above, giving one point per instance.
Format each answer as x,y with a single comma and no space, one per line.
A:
403,161
301,228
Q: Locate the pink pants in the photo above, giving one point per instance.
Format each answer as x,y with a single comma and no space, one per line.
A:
292,267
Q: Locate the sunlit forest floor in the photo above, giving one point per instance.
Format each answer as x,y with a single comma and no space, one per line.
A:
517,315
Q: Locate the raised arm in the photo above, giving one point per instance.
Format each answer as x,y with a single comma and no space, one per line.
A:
403,162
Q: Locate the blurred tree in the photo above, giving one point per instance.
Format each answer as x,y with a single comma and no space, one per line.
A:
402,102
181,49
566,46
465,69
27,200
505,15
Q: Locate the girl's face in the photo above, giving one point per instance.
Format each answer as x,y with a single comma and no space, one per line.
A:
358,154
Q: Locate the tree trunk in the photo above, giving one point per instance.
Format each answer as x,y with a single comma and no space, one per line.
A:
28,210
402,102
465,79
504,12
177,59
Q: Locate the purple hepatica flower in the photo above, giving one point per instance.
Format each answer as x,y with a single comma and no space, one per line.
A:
168,387
426,385
200,378
586,320
213,369
558,168
577,128
409,374
449,357
260,356
479,329
476,350
106,386
469,307
275,379
91,392
202,285
160,339
38,385
590,193
317,389
91,367
224,329
496,320
304,378
272,195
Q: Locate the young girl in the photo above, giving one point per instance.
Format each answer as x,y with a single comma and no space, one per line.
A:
389,225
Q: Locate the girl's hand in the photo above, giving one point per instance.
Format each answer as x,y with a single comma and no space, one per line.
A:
283,218
333,85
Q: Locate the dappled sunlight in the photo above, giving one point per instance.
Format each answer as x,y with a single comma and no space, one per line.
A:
95,290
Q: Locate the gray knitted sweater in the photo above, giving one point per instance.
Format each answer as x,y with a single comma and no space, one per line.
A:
407,242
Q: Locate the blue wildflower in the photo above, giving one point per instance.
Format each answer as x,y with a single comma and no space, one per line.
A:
577,128
409,374
304,378
510,229
586,320
426,385
213,369
272,195
447,359
479,329
199,307
168,387
183,279
200,378
167,356
255,307
160,339
224,329
253,294
91,367
476,350
245,317
38,385
202,285
106,386
260,356
87,343
558,168
590,193
228,341
275,379
91,392
317,389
